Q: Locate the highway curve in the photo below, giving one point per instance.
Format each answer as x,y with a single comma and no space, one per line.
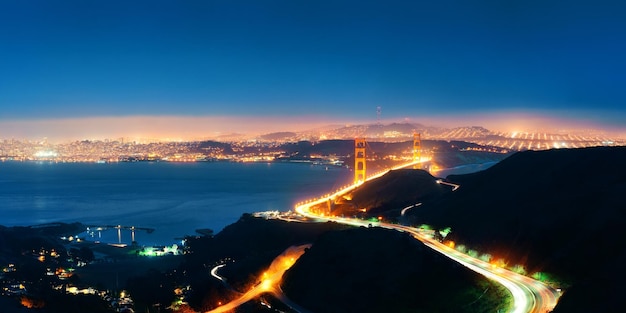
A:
529,295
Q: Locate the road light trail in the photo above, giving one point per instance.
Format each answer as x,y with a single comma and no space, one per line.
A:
214,272
454,186
529,295
523,301
270,281
409,207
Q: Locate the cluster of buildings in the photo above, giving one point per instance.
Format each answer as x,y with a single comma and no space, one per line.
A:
54,268
269,147
105,151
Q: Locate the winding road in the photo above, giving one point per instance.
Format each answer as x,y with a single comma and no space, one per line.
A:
529,295
270,281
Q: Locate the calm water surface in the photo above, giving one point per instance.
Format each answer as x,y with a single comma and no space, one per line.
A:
173,198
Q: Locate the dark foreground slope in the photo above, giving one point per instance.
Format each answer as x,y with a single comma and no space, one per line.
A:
253,243
379,270
557,211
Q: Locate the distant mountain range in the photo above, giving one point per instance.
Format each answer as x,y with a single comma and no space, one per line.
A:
514,141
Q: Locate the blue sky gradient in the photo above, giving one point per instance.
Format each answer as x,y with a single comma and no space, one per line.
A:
339,59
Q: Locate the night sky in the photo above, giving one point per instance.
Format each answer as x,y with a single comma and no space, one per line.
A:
317,61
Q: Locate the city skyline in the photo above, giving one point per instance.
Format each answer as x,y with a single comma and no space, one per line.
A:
75,70
182,128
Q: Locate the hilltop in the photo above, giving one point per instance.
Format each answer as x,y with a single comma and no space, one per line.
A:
390,193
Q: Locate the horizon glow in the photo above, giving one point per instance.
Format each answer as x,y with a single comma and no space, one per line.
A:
183,128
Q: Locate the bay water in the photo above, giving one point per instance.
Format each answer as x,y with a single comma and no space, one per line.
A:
173,198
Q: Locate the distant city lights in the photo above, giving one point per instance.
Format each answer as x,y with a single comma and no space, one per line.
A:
44,154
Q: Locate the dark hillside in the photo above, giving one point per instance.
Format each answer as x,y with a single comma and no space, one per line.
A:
396,190
253,242
560,212
557,211
246,248
380,270
546,204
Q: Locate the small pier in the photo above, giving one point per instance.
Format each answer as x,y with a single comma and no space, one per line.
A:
92,229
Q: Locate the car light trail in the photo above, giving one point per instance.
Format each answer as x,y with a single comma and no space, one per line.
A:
270,281
214,272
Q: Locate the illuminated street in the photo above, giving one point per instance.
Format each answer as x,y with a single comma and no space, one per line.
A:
269,282
529,295
214,272
454,186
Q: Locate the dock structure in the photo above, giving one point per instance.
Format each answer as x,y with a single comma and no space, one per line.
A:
100,228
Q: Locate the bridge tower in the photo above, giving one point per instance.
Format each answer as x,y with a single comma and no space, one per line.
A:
359,160
417,148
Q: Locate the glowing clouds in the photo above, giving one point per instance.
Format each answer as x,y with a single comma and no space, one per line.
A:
152,127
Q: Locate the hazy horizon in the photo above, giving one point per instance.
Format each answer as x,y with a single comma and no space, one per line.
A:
207,127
